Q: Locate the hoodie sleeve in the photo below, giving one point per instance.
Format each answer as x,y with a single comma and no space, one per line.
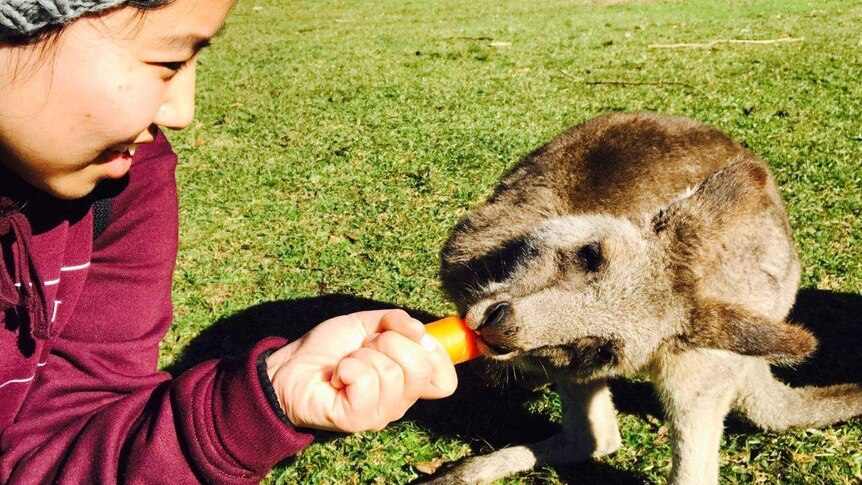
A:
100,412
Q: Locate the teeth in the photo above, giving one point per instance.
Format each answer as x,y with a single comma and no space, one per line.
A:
132,150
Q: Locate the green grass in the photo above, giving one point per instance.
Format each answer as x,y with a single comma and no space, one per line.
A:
336,144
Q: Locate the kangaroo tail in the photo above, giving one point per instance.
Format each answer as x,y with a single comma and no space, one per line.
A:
775,406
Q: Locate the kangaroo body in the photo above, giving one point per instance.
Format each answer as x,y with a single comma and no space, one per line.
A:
638,244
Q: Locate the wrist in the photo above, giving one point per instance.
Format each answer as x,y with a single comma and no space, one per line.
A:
265,371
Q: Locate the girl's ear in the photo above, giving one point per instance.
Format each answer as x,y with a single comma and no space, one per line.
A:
725,327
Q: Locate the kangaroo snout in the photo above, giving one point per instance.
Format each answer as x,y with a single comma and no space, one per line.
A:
495,327
496,314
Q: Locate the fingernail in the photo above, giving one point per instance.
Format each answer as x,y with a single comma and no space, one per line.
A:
429,342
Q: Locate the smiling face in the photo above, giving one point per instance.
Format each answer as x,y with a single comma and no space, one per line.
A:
74,118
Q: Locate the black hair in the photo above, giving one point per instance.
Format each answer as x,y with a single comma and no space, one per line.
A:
52,32
46,38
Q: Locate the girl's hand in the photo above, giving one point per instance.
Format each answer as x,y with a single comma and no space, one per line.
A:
359,372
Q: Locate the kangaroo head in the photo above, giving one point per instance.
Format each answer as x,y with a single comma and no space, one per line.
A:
585,296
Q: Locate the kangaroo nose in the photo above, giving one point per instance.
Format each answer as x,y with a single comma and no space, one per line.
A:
496,314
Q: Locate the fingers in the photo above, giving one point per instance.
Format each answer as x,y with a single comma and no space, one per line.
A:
379,382
401,322
373,391
443,379
412,360
396,364
427,375
376,321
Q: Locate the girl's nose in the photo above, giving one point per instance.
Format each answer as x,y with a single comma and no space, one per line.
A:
178,108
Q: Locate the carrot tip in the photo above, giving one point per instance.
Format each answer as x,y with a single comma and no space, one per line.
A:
456,337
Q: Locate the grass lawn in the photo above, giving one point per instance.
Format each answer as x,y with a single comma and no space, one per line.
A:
337,143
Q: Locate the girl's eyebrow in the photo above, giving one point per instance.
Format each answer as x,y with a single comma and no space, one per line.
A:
190,41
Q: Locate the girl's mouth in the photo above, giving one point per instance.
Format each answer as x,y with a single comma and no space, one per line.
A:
117,163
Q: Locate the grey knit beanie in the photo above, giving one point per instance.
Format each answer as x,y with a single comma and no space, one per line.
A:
19,18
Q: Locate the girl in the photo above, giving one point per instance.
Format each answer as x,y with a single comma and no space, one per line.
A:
84,87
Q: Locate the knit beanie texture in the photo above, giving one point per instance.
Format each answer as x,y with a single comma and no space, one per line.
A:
26,17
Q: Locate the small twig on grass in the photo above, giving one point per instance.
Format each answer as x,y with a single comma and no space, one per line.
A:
616,82
712,43
458,37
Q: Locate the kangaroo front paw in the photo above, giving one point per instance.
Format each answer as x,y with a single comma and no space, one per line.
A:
590,426
585,446
607,440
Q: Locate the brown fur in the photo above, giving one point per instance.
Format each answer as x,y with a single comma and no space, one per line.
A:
638,243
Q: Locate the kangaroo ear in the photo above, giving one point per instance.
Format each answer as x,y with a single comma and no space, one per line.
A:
735,196
725,327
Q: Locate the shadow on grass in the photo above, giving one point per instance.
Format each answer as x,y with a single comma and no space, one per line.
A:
236,334
475,410
836,320
486,418
492,418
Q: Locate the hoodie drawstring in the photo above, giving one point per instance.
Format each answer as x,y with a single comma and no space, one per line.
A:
32,291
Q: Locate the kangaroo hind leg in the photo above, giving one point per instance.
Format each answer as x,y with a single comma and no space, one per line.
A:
775,406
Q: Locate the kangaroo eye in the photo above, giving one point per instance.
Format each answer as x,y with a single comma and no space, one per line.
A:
590,257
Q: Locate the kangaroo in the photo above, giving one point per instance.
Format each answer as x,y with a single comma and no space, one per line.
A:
638,244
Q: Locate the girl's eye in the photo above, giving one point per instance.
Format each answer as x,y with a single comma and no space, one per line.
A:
174,66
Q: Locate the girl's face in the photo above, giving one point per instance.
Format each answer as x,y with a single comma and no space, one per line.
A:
75,117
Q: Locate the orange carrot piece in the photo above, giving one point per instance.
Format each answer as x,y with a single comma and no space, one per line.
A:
456,337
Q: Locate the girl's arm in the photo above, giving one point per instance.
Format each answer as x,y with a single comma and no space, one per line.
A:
99,412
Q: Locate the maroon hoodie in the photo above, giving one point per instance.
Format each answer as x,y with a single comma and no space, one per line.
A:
81,399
